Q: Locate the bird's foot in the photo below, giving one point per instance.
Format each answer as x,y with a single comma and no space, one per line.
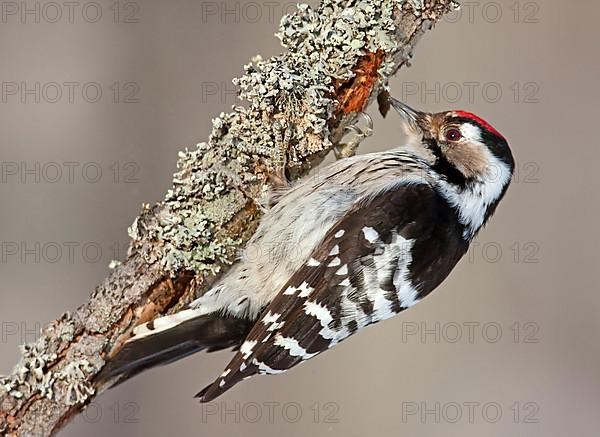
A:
348,149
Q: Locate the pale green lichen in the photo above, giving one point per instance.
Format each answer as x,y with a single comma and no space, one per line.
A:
35,374
113,264
74,375
289,104
30,376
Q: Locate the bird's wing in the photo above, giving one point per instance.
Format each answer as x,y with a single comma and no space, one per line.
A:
358,275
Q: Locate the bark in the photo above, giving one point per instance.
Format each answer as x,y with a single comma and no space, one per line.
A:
297,105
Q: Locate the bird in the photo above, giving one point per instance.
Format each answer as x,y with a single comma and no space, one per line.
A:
366,238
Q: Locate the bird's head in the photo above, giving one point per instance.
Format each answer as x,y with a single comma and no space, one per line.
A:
463,145
472,156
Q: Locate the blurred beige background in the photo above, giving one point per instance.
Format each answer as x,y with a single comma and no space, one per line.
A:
515,350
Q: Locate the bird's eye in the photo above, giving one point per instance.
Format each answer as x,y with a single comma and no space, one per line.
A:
453,134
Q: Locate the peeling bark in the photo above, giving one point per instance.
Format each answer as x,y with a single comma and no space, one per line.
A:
339,57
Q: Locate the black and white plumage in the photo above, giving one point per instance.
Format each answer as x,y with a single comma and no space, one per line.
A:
370,236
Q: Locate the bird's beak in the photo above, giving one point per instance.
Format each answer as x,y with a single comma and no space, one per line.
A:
409,114
416,121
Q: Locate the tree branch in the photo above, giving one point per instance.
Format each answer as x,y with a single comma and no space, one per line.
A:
297,106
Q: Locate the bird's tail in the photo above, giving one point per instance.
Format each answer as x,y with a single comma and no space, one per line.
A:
170,338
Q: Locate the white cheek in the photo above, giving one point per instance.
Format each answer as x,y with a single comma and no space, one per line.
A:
471,132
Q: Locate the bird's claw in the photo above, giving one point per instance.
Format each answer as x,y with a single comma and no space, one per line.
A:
346,150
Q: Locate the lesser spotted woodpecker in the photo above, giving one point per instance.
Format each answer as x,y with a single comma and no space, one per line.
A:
367,238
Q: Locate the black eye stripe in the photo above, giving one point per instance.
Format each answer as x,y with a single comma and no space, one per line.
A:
443,166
